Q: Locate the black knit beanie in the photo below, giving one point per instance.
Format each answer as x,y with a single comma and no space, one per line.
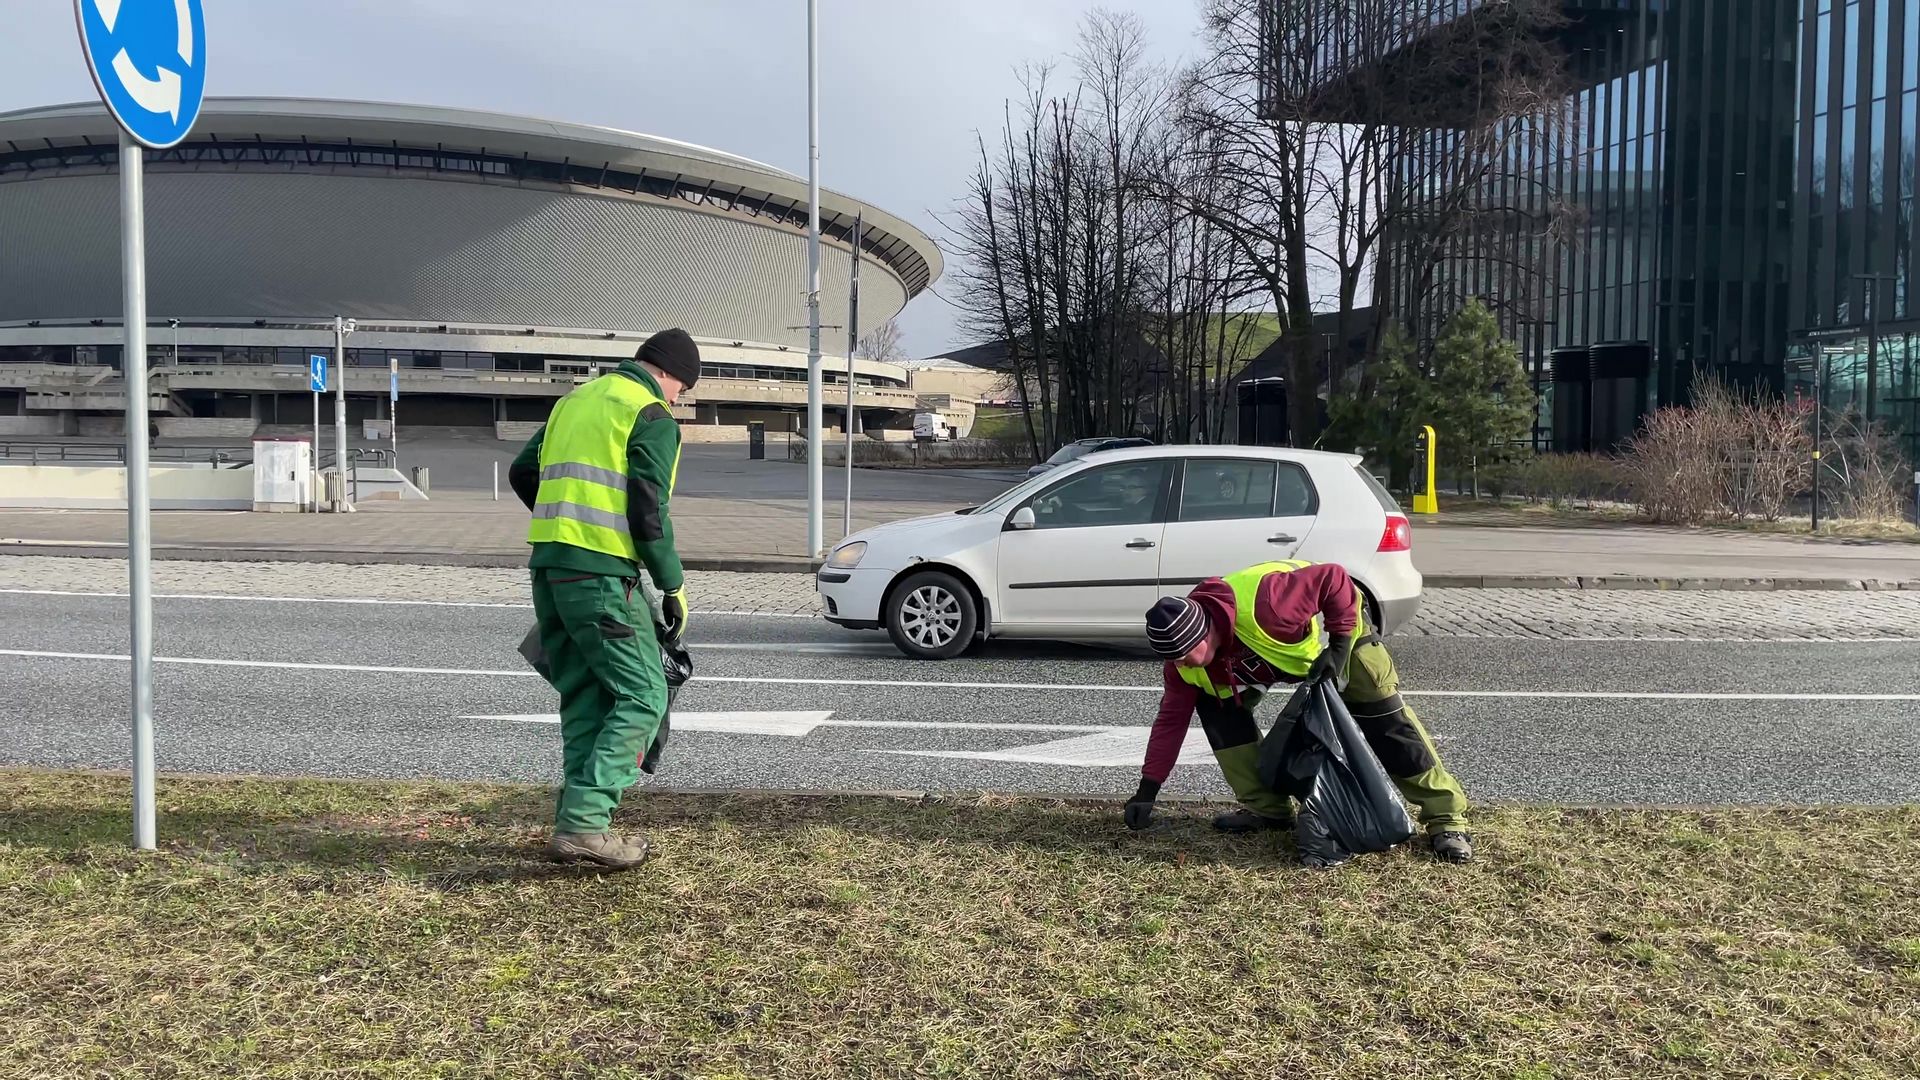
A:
673,352
1174,626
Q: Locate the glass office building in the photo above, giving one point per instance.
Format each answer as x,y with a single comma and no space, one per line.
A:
1731,177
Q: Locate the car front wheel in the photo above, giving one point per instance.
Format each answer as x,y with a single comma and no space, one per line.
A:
932,616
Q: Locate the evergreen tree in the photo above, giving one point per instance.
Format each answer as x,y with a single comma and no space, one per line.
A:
1383,419
1484,406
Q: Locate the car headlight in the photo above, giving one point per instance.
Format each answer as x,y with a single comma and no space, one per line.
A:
847,556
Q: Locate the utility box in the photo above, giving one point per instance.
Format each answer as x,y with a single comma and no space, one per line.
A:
282,475
756,440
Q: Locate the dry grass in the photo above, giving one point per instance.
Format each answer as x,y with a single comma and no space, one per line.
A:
319,929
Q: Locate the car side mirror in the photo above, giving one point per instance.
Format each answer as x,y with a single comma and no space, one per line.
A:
1021,520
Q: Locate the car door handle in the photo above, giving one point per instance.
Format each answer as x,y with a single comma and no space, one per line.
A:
1283,538
1142,545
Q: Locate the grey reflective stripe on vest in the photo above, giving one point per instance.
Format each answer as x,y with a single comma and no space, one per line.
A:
592,474
588,515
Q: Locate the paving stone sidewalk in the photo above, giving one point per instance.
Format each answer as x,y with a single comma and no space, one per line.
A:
1474,613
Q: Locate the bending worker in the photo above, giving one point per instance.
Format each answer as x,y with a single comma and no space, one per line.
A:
598,477
1231,639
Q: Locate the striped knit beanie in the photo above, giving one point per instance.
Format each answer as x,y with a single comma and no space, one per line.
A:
1174,626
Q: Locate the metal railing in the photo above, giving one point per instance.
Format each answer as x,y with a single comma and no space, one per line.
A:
219,457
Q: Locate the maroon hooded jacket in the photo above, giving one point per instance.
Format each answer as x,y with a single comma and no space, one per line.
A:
1284,608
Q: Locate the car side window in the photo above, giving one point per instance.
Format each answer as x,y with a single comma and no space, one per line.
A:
1226,489
1294,495
1124,493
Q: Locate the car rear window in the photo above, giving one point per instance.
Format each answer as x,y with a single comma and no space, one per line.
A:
1379,490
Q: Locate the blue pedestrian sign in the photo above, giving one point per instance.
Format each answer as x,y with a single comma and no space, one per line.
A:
317,373
149,61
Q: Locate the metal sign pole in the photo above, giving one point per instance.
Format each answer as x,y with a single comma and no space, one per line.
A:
156,112
133,257
853,343
393,408
1819,407
816,528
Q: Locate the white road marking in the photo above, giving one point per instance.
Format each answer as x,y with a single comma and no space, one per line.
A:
779,724
373,601
1108,748
796,724
927,684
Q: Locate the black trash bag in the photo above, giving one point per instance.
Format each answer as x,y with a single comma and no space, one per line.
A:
674,660
678,664
1348,804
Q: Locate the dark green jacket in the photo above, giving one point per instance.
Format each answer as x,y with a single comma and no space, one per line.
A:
652,451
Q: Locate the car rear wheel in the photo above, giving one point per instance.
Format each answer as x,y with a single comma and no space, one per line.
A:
932,616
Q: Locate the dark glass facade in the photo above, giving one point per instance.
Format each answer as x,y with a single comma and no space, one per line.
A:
1859,120
1731,175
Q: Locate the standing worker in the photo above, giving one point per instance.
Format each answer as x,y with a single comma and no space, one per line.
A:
1231,639
598,477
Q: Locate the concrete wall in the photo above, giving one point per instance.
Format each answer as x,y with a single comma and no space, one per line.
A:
102,427
32,425
518,431
80,487
181,427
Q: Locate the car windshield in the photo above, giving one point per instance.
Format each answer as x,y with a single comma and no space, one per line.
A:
1070,452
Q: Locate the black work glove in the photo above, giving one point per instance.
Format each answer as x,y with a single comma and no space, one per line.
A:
673,614
1139,812
1331,664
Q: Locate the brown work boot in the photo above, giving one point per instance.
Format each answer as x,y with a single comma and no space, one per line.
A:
602,849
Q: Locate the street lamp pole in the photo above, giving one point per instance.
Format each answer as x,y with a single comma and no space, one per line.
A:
853,345
341,328
816,443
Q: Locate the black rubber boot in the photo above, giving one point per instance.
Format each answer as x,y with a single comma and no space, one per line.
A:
1246,821
1452,847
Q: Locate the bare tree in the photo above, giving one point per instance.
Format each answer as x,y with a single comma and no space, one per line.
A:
884,343
1054,241
1359,143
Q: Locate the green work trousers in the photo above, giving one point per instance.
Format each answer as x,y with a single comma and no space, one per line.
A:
603,658
1396,735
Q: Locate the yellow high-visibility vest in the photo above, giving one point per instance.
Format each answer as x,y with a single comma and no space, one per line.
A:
1293,658
583,467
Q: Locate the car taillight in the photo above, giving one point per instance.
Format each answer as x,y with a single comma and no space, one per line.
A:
1398,535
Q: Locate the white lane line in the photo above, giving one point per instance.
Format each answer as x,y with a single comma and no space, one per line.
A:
198,661
927,684
795,724
1108,748
372,601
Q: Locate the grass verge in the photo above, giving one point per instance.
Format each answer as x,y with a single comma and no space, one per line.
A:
315,929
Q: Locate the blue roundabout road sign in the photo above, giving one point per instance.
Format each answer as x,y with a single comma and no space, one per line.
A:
149,60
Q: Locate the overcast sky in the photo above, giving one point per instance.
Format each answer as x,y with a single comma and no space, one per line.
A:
904,83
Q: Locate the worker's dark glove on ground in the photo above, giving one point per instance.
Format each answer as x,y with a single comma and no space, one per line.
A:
1331,664
1139,812
673,614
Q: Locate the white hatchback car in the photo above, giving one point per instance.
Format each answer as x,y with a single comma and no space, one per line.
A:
1081,552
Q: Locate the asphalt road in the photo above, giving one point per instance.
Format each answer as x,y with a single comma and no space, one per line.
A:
359,689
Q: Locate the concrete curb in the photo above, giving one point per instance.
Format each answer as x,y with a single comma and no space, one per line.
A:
1659,584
